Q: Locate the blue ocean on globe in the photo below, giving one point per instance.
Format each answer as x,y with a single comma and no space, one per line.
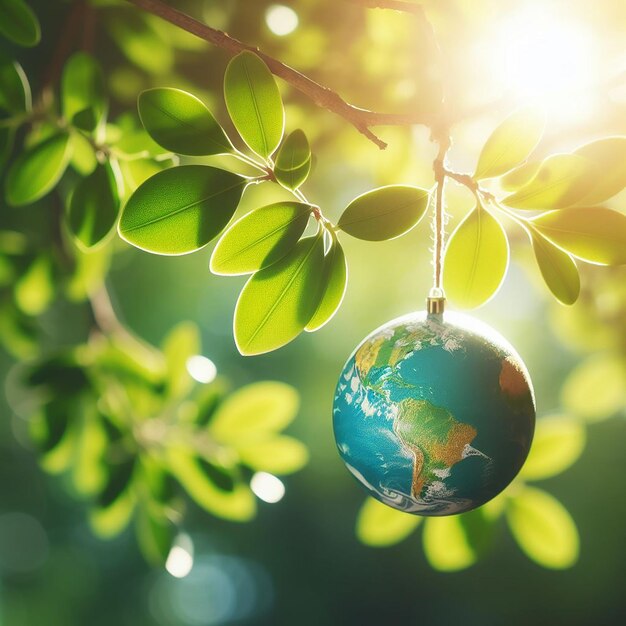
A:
434,414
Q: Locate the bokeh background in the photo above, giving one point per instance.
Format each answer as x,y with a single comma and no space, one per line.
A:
299,561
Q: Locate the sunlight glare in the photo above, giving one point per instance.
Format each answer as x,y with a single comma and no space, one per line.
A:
281,20
267,487
180,558
201,369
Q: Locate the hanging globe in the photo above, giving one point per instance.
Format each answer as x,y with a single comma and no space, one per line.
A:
434,413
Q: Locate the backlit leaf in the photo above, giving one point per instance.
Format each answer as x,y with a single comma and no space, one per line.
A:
293,161
260,238
277,455
609,156
557,444
236,504
180,122
111,521
84,159
561,181
278,301
18,23
595,234
379,525
15,96
558,270
82,92
334,283
543,528
446,544
88,470
510,143
520,176
180,209
94,207
254,103
384,213
596,388
254,412
37,170
476,259
34,290
182,342
155,535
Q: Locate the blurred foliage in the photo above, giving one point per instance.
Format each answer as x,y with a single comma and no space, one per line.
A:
124,424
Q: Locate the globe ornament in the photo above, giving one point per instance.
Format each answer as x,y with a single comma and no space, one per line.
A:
434,413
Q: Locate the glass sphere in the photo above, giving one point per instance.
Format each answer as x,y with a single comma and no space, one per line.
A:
434,414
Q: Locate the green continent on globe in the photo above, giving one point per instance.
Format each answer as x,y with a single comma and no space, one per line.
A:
435,439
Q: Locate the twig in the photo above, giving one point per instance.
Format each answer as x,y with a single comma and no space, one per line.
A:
439,168
323,97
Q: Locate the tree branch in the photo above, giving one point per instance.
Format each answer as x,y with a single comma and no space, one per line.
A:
323,97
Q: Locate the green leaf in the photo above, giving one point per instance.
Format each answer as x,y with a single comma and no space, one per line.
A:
180,122
334,283
84,159
155,535
596,388
558,269
561,181
18,23
82,92
277,455
254,103
447,545
510,143
182,342
557,444
609,156
88,469
293,161
15,96
36,171
476,259
236,504
260,238
111,521
180,209
595,234
118,481
94,207
384,213
254,412
35,289
543,528
520,176
278,301
379,525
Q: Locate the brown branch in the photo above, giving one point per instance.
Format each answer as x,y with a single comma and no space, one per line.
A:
440,170
323,97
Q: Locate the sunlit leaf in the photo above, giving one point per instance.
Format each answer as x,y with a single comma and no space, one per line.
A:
88,470
446,544
595,234
89,272
15,96
254,103
334,283
236,504
557,444
293,161
384,213
83,159
596,388
278,301
155,535
609,156
181,209
476,259
138,171
561,181
260,238
520,176
111,521
510,143
543,528
277,455
182,342
379,525
35,289
94,206
180,122
82,92
558,270
37,170
18,23
254,412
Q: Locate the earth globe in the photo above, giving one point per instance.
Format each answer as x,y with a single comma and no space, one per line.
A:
434,413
